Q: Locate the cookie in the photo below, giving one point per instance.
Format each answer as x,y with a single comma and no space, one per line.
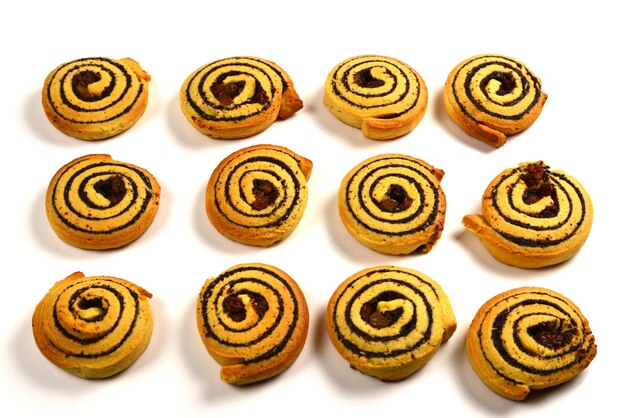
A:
258,194
388,321
393,204
93,327
238,97
95,98
97,203
384,97
253,320
528,338
532,216
491,97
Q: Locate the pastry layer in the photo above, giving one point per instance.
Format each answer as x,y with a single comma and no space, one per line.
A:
388,321
93,327
95,98
382,96
393,203
529,338
95,202
532,216
238,97
258,194
492,96
253,320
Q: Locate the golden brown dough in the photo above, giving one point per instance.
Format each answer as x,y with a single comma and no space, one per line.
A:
532,216
393,204
238,97
96,203
95,98
389,321
253,320
492,97
258,194
93,327
383,96
528,338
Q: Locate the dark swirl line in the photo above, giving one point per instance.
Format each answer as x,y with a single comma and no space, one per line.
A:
531,85
388,322
529,338
95,98
418,179
286,204
77,68
227,68
237,97
563,219
393,204
87,172
216,291
93,327
103,334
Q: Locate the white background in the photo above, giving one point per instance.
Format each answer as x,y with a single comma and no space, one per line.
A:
576,48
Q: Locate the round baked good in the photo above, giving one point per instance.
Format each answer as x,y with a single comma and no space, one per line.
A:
394,204
97,203
258,194
253,320
388,321
93,327
491,97
238,97
532,216
95,98
382,96
528,338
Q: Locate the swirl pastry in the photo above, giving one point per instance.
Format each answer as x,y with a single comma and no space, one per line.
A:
97,203
238,97
93,327
382,96
532,216
388,322
253,320
394,204
528,338
257,195
95,98
491,97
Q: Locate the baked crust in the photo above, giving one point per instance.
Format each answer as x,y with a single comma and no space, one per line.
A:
393,204
95,98
532,216
388,322
491,97
93,327
253,320
528,338
384,97
97,203
258,194
238,97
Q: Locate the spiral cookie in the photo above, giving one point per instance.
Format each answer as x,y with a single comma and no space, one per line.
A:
238,97
97,203
95,98
491,97
253,320
382,96
528,338
93,327
532,216
393,204
387,321
257,195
